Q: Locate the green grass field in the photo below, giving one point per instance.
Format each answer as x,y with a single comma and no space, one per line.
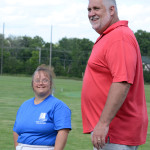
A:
15,90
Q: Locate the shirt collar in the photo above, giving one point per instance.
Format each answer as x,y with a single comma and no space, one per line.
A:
112,27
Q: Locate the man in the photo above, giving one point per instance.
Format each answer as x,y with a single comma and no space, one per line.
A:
113,98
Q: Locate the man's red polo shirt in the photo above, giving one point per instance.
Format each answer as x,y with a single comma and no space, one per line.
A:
115,58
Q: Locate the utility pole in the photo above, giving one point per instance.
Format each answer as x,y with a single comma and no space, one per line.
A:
50,57
39,55
2,50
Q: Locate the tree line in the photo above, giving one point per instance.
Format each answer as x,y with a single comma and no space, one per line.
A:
22,54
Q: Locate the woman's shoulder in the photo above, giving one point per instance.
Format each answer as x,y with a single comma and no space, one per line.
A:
27,102
57,102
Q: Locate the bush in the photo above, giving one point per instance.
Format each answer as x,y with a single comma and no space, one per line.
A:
147,76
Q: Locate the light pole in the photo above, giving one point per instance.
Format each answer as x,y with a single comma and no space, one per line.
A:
39,55
50,57
2,50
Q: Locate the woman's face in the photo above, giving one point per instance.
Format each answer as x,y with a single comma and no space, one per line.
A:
41,84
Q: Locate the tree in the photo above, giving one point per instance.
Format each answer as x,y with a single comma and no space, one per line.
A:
32,63
69,56
143,39
37,42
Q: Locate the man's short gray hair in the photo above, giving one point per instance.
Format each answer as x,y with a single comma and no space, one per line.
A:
109,3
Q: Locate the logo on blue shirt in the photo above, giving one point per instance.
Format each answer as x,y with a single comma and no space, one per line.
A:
42,119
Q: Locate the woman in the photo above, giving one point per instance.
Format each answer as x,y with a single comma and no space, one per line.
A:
42,122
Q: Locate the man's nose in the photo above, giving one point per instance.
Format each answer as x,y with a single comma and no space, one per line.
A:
91,13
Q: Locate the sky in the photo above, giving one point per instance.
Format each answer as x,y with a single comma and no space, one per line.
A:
64,18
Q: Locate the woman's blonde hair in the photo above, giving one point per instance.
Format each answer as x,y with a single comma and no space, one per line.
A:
47,69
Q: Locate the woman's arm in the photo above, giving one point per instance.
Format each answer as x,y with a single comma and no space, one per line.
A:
61,139
15,136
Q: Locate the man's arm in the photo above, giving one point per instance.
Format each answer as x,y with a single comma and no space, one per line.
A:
116,96
61,139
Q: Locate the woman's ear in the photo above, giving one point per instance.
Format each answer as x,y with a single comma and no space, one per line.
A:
50,84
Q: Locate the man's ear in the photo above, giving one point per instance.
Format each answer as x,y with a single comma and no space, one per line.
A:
112,10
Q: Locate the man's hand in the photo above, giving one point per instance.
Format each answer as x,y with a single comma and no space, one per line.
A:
115,99
99,134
